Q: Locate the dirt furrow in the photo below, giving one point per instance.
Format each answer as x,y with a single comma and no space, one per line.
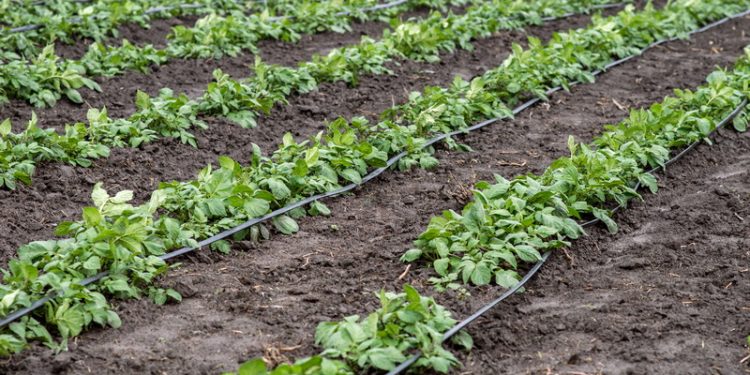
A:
58,192
666,295
190,76
264,298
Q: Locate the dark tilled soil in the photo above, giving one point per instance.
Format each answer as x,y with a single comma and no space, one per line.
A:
59,191
666,295
156,34
189,76
606,310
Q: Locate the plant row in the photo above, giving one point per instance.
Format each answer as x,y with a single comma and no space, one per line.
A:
127,240
514,221
63,20
45,78
380,341
169,115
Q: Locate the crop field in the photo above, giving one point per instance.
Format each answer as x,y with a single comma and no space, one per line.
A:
375,187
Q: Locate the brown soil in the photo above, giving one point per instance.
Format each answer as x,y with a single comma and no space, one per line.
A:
155,34
635,317
190,76
58,192
666,295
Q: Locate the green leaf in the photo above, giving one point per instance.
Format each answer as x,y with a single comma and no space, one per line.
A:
412,295
142,100
278,188
74,96
428,162
300,168
311,156
288,140
99,196
318,208
113,319
245,119
441,266
464,339
603,215
256,207
572,146
506,278
385,358
474,219
159,297
411,255
285,224
69,320
649,181
91,216
482,275
173,294
24,269
94,263
216,207
221,246
118,285
5,128
740,122
351,175
253,367
123,197
227,163
528,253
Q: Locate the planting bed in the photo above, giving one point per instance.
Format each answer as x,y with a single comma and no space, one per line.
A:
666,294
58,192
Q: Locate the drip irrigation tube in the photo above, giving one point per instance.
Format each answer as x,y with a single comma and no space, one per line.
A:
22,29
375,173
484,309
220,236
197,6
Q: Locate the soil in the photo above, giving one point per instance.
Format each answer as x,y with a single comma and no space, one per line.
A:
664,295
189,76
58,192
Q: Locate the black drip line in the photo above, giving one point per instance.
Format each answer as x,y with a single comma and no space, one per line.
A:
375,173
538,265
484,309
220,236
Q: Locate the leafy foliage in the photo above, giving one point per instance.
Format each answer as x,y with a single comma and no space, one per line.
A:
241,101
404,322
216,36
315,365
102,60
511,222
163,116
126,240
64,20
43,81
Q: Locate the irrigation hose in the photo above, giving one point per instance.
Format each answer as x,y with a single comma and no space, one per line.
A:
220,236
484,309
375,173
